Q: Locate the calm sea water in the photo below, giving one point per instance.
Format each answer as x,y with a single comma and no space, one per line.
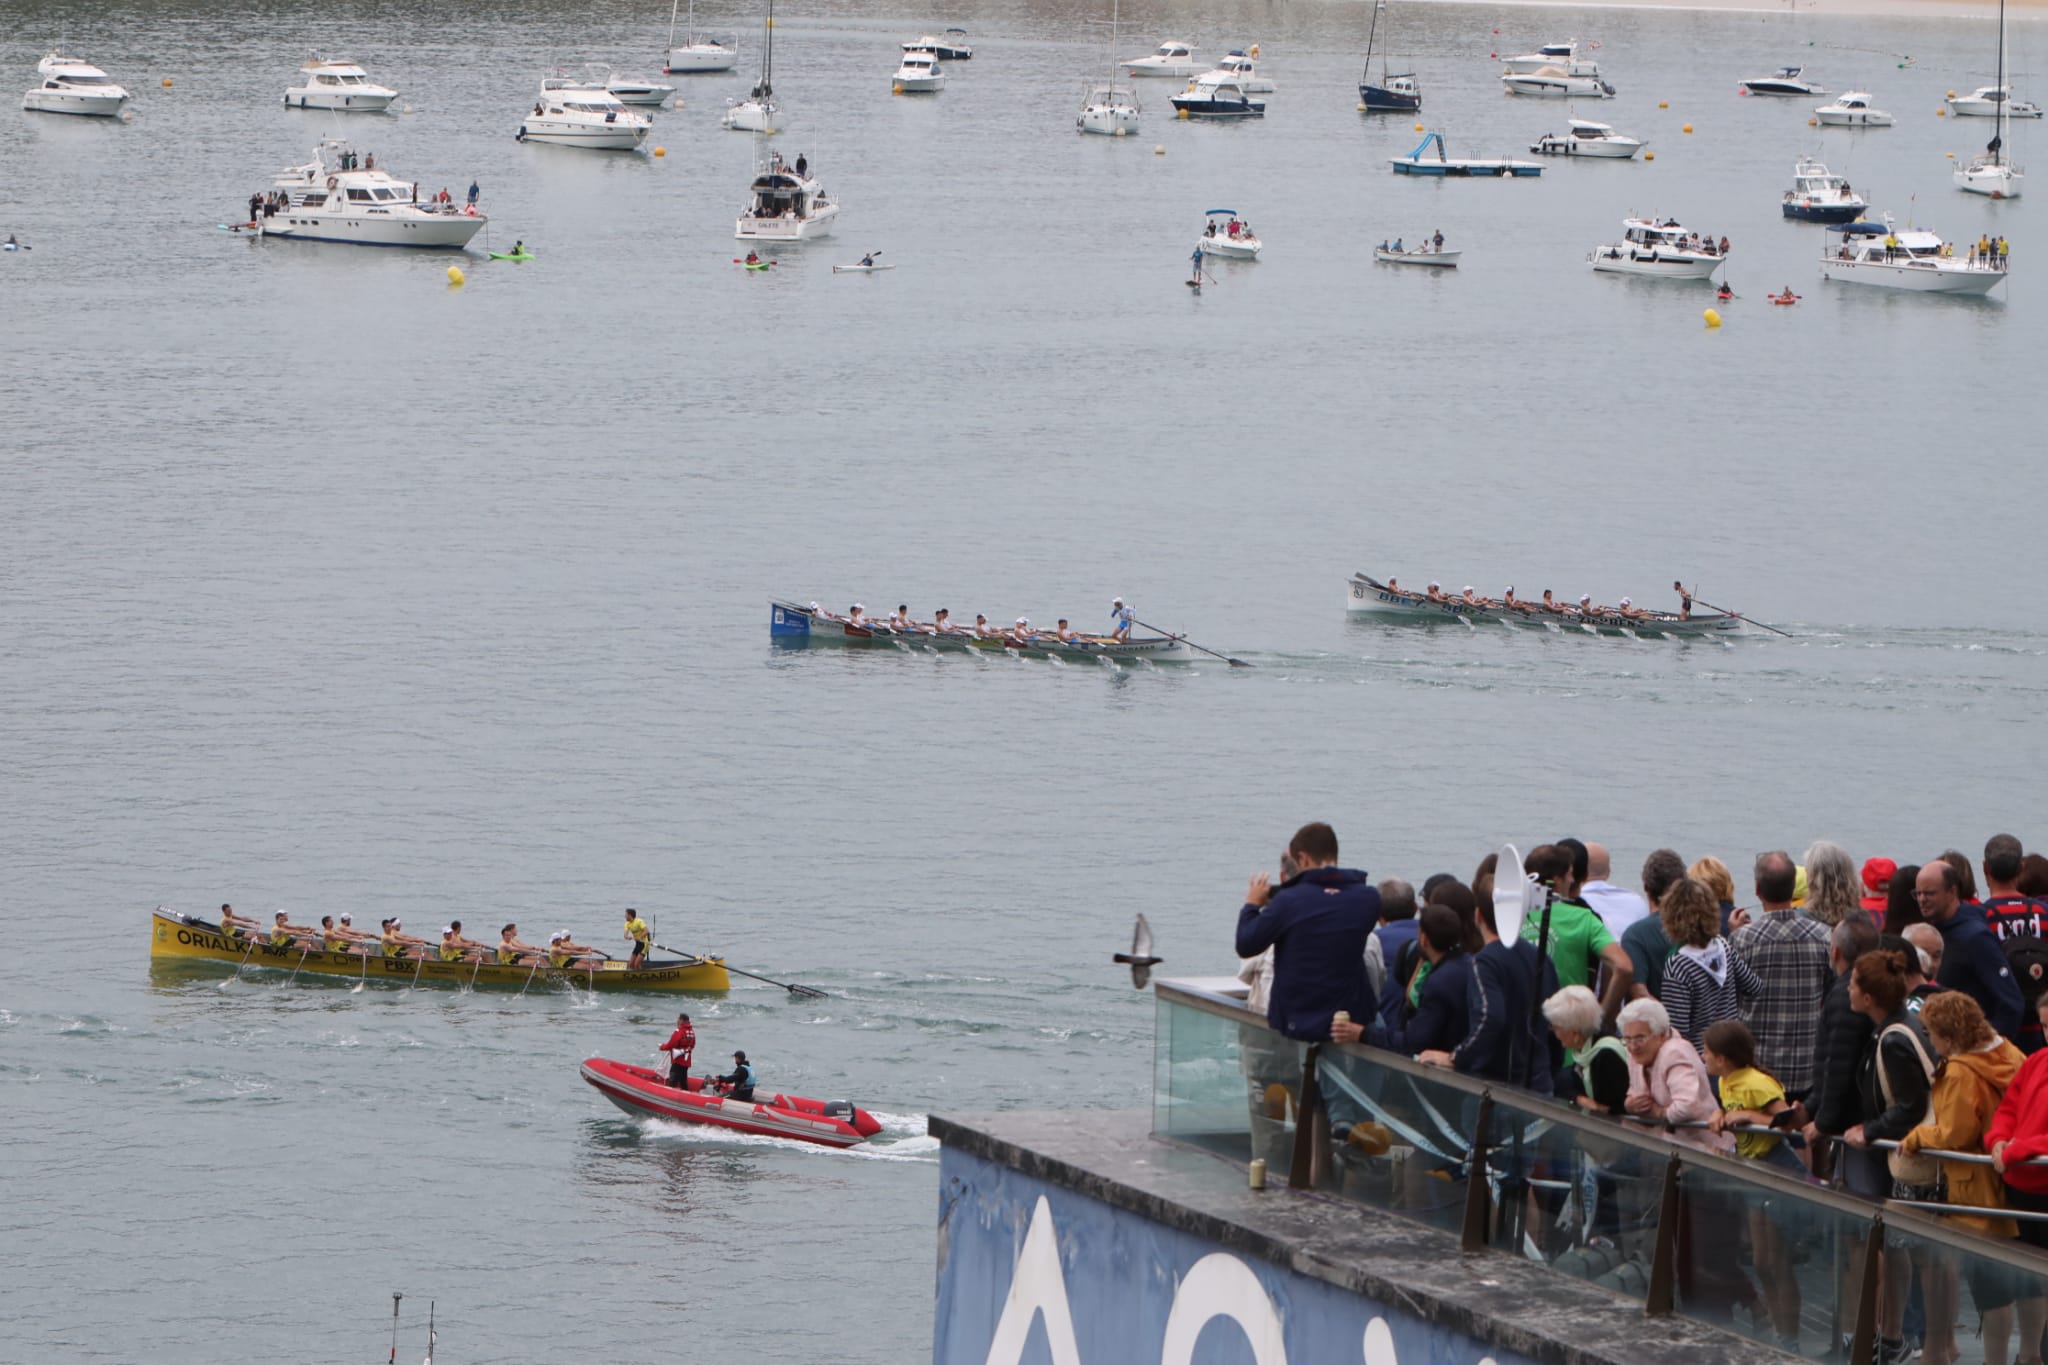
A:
325,586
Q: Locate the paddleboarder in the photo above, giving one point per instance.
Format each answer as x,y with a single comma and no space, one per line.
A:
681,1045
1195,280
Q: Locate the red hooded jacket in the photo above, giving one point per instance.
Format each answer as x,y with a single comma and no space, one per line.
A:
2022,1123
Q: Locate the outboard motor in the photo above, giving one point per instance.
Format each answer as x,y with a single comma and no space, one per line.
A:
839,1109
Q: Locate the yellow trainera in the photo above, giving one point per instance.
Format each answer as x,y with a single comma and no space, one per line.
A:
186,938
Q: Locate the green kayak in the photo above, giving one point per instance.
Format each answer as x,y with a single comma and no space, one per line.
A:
511,256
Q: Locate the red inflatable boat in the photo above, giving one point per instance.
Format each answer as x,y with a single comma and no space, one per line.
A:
640,1091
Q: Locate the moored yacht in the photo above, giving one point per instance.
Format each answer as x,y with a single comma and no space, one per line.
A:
1581,80
1391,93
1906,258
339,197
1242,67
1820,196
639,90
1852,109
945,49
785,204
1786,80
330,83
74,86
1585,137
757,113
1990,172
1664,249
1215,95
1174,58
697,52
576,113
1986,100
920,74
1110,110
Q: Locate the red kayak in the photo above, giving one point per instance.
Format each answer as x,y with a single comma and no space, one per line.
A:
640,1091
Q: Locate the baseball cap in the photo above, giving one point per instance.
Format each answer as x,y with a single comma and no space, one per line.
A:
1878,871
346,918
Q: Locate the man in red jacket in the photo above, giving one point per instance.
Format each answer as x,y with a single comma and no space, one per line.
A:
2019,1131
680,1045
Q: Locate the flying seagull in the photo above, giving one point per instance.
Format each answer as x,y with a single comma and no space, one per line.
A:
1140,956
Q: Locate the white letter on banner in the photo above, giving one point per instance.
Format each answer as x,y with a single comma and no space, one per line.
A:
1221,1286
1036,1285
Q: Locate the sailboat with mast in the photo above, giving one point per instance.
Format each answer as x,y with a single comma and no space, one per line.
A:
1109,109
697,53
1991,171
756,113
1394,94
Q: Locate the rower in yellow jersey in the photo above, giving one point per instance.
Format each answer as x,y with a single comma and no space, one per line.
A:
564,951
396,944
283,933
331,938
456,948
233,927
510,949
642,936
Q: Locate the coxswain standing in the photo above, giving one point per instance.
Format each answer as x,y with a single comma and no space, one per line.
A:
1684,600
637,930
1122,618
234,927
510,949
681,1045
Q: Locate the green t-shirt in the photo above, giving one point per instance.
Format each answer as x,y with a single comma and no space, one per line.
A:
1576,937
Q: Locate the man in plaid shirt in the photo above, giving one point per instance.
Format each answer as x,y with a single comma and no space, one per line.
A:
1788,949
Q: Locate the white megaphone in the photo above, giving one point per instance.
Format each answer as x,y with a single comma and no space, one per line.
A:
1516,897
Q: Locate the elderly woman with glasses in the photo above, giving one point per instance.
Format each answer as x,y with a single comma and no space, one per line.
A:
1667,1081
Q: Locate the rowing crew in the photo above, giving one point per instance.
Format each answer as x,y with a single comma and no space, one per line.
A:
338,934
1122,618
1548,606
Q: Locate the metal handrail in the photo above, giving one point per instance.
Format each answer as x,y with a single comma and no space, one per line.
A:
1799,1140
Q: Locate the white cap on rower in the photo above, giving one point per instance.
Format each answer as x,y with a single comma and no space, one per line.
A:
858,607
816,607
1023,620
1434,584
557,936
347,918
447,929
1468,587
1584,598
397,923
1626,601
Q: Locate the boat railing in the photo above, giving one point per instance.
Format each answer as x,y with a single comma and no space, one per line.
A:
1510,1172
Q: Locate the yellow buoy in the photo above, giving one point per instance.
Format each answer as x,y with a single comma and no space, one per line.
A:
896,89
1951,94
1183,113
1159,149
1713,318
1418,127
1813,123
1663,104
1941,113
1951,156
455,275
1649,156
661,151
1686,129
1361,106
167,82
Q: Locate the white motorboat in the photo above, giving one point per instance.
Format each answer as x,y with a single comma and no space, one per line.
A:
945,49
74,86
1820,196
340,197
697,52
1786,80
1986,101
1215,95
1664,250
1991,171
1580,80
920,74
330,83
1427,254
577,113
1174,58
1109,109
1550,54
639,91
1852,109
1229,236
1906,258
757,113
1584,137
1242,67
785,204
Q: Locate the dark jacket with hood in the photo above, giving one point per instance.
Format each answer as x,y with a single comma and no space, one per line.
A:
1316,924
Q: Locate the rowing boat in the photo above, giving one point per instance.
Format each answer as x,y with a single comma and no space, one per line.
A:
646,1094
790,624
1367,594
187,938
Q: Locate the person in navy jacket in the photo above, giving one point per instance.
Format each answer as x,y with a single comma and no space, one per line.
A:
1971,959
1439,1019
1315,922
1507,1040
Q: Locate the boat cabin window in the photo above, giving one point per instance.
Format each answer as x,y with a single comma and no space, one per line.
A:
358,196
78,78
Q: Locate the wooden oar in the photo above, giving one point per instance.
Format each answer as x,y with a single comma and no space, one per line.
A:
1234,663
416,972
302,962
808,992
364,980
1740,617
529,978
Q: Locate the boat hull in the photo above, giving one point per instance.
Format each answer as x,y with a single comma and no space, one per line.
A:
819,224
1853,118
1177,69
74,102
359,103
647,1094
1997,184
790,624
642,96
1920,277
1818,211
440,231
697,58
1108,120
1975,108
1559,87
1230,249
750,116
590,137
1617,261
1220,109
1365,594
189,939
1613,149
920,85
1388,256
1779,89
1377,99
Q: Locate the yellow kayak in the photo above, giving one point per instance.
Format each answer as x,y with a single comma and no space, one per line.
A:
175,937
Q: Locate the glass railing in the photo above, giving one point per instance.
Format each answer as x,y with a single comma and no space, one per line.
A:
1645,1211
